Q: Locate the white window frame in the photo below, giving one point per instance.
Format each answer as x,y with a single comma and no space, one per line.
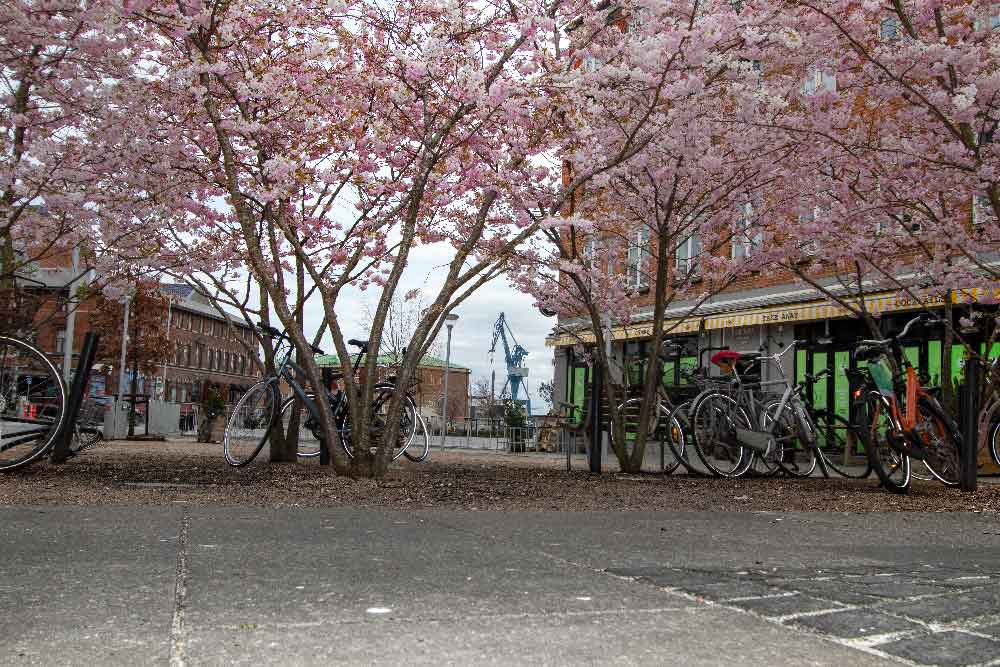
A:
636,261
743,242
817,80
689,264
811,247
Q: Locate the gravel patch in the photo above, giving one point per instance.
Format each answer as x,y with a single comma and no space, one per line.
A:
178,471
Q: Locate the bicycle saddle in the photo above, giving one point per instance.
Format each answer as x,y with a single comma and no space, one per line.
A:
725,357
363,344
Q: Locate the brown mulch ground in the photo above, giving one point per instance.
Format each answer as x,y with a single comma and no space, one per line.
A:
163,473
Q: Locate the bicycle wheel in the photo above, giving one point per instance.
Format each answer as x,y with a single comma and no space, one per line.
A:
380,419
891,466
792,452
714,423
679,438
297,423
995,442
658,458
85,437
420,446
836,439
32,403
939,436
768,466
250,423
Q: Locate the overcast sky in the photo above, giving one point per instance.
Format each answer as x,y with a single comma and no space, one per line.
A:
473,331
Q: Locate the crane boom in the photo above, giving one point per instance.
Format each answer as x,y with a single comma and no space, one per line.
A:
513,357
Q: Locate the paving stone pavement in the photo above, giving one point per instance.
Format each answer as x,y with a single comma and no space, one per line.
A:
924,616
189,585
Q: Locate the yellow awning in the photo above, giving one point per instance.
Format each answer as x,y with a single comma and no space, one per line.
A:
885,302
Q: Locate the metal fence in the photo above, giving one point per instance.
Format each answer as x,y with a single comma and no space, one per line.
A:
495,435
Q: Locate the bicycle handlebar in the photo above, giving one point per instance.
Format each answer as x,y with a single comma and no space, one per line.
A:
921,317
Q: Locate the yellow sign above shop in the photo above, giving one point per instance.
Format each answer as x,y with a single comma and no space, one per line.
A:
876,304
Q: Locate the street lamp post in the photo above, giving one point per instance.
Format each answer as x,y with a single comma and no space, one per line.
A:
449,322
121,366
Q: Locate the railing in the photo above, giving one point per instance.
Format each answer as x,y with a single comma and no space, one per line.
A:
495,435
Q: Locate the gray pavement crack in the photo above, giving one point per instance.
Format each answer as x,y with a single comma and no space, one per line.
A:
178,628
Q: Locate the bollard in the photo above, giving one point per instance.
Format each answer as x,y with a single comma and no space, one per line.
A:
88,354
970,425
595,423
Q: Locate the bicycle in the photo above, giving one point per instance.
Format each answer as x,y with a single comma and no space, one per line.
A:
904,420
664,426
32,403
989,416
735,428
257,414
835,436
88,431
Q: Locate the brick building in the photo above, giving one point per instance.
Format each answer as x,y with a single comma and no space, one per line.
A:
430,388
208,352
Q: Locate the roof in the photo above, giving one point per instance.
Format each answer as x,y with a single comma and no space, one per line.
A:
332,360
186,297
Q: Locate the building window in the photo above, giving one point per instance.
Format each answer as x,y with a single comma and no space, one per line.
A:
891,28
638,252
746,233
819,81
591,63
687,254
989,18
982,209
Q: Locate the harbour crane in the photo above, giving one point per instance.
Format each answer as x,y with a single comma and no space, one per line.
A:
514,358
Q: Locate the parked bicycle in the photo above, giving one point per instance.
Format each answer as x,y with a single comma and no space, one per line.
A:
88,431
663,428
745,426
260,413
32,403
989,416
903,419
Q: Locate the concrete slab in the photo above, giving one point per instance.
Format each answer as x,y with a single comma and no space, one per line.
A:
87,585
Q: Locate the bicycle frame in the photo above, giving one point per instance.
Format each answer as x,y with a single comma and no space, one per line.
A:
903,419
289,370
747,398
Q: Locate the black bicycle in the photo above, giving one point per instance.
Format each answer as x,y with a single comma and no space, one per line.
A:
256,417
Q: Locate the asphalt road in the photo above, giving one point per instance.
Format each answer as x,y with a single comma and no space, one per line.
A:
189,585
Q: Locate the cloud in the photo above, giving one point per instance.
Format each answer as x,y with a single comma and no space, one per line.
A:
473,332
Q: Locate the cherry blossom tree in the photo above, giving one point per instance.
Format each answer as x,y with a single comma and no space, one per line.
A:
894,106
59,61
681,221
337,137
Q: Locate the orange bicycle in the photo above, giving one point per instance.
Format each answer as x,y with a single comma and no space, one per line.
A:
903,419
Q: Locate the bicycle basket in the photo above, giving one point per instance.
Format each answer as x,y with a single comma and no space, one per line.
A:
882,377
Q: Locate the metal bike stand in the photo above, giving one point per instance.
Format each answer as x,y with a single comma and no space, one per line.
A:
968,478
88,354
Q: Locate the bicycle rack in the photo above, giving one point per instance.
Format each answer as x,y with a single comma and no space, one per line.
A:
88,354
